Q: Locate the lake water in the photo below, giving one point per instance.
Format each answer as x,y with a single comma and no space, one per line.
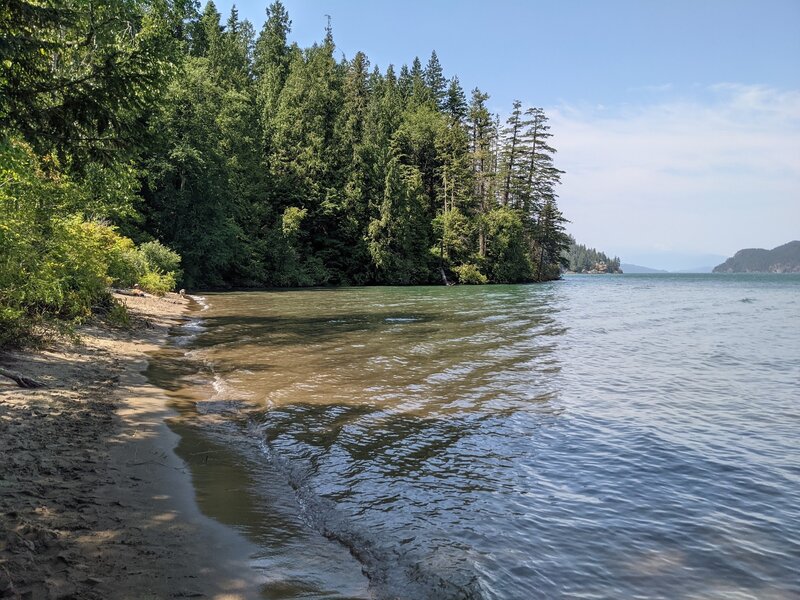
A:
631,436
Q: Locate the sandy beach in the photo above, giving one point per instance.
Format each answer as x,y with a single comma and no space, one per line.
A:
93,501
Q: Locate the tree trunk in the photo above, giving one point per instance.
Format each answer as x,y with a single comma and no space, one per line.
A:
541,262
20,379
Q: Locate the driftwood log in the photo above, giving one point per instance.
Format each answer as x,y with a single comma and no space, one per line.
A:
20,379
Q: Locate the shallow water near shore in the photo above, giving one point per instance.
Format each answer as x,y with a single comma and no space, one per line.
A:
596,437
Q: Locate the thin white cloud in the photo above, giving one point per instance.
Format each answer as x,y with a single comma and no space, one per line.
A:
711,173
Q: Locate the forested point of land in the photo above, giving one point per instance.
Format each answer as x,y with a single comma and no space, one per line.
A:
783,259
581,259
152,142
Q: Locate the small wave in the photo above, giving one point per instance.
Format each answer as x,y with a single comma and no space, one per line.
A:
189,332
224,391
389,572
201,300
401,319
747,300
194,325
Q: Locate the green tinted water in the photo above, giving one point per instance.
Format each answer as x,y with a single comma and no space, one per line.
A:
599,436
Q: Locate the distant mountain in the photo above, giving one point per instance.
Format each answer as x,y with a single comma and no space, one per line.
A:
628,268
783,259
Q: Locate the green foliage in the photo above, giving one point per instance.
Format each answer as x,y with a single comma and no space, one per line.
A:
160,259
78,77
157,283
399,237
551,241
125,263
506,258
581,259
469,274
117,315
52,264
456,231
291,221
55,266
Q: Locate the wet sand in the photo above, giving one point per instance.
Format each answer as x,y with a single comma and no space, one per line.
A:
94,503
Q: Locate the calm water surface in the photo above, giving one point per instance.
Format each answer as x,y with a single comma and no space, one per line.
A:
598,437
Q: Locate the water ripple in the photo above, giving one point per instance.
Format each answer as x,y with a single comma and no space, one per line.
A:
592,438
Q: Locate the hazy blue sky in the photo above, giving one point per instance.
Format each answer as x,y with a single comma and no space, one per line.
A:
678,122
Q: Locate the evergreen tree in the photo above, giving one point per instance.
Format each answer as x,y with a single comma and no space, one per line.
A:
398,239
306,162
358,185
70,81
189,202
436,82
272,57
510,154
480,132
207,31
541,176
405,83
420,92
455,101
552,241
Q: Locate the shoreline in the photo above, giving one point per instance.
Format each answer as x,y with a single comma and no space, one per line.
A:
94,501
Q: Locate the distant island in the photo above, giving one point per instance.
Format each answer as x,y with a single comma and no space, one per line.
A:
580,259
783,259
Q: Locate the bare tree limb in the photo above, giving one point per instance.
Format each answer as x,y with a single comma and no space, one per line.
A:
20,379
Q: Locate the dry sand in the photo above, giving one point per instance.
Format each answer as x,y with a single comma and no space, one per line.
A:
93,501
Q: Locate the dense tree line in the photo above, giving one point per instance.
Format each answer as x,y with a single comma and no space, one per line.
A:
261,163
581,259
277,165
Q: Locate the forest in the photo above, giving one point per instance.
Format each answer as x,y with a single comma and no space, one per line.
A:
158,143
581,259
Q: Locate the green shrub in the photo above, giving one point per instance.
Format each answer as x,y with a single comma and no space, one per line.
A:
118,315
469,274
159,258
126,263
54,265
157,283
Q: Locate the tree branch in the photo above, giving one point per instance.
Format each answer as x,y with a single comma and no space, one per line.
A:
20,379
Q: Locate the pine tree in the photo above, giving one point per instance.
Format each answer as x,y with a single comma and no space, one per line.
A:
456,102
207,31
552,241
541,176
405,83
511,153
420,92
435,81
480,132
351,133
272,58
398,239
72,82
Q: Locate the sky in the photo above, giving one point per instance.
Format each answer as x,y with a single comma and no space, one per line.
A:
677,122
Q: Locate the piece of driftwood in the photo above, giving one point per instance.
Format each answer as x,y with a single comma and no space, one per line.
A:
133,292
20,379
